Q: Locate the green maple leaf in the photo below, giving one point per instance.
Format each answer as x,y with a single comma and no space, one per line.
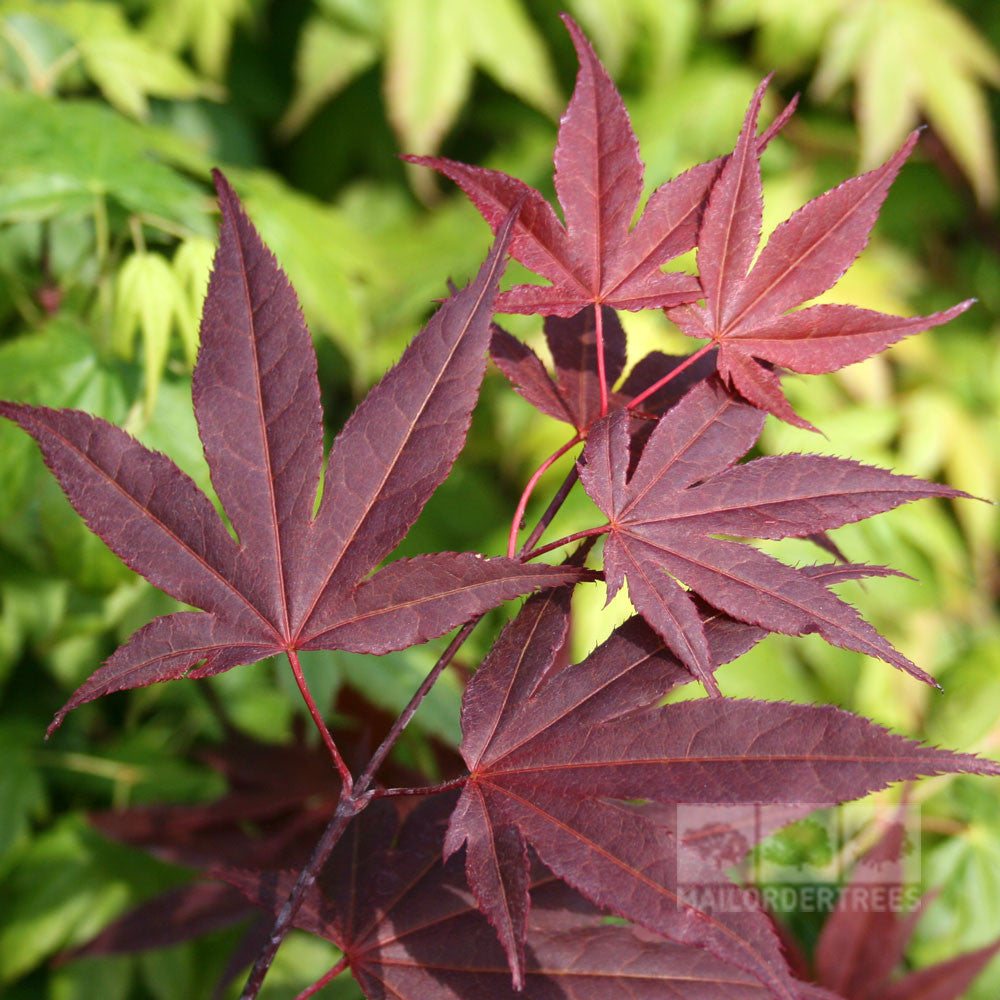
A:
909,59
429,49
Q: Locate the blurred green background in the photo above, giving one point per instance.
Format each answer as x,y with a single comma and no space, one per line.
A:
111,116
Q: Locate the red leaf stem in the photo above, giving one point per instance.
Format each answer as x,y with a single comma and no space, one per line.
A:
656,386
346,777
321,982
602,379
575,537
515,524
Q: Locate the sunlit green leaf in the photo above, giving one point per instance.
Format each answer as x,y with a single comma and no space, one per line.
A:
430,49
427,73
57,157
325,257
108,977
149,300
60,893
192,265
912,57
125,66
206,28
328,58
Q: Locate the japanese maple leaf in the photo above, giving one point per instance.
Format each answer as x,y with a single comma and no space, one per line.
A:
293,580
416,930
279,799
597,257
555,755
686,490
573,395
746,308
864,939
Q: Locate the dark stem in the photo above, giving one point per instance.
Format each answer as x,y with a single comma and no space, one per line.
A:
428,682
686,363
550,512
320,983
445,786
351,803
317,717
354,801
348,807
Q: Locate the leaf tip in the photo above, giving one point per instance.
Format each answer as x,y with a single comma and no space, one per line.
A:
57,721
576,32
222,186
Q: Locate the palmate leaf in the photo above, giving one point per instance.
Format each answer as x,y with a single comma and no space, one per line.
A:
573,395
745,312
293,581
598,256
686,490
913,58
416,932
864,938
279,798
552,755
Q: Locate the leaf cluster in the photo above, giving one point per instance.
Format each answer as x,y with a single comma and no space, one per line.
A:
574,772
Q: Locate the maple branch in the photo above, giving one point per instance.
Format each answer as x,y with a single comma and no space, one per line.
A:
414,703
351,803
320,983
602,378
576,536
348,807
686,363
522,504
355,800
445,786
550,512
317,717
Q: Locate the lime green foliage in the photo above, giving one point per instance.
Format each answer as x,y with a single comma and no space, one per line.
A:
203,29
112,114
430,50
907,58
50,46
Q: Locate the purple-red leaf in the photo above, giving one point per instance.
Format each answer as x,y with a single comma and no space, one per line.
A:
550,753
150,514
175,916
686,490
573,394
412,600
595,257
416,931
745,311
864,938
527,374
290,581
862,941
256,398
945,981
167,648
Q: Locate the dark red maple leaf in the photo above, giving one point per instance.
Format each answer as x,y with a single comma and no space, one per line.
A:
746,308
552,756
292,581
686,490
598,256
864,938
573,395
416,931
279,798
